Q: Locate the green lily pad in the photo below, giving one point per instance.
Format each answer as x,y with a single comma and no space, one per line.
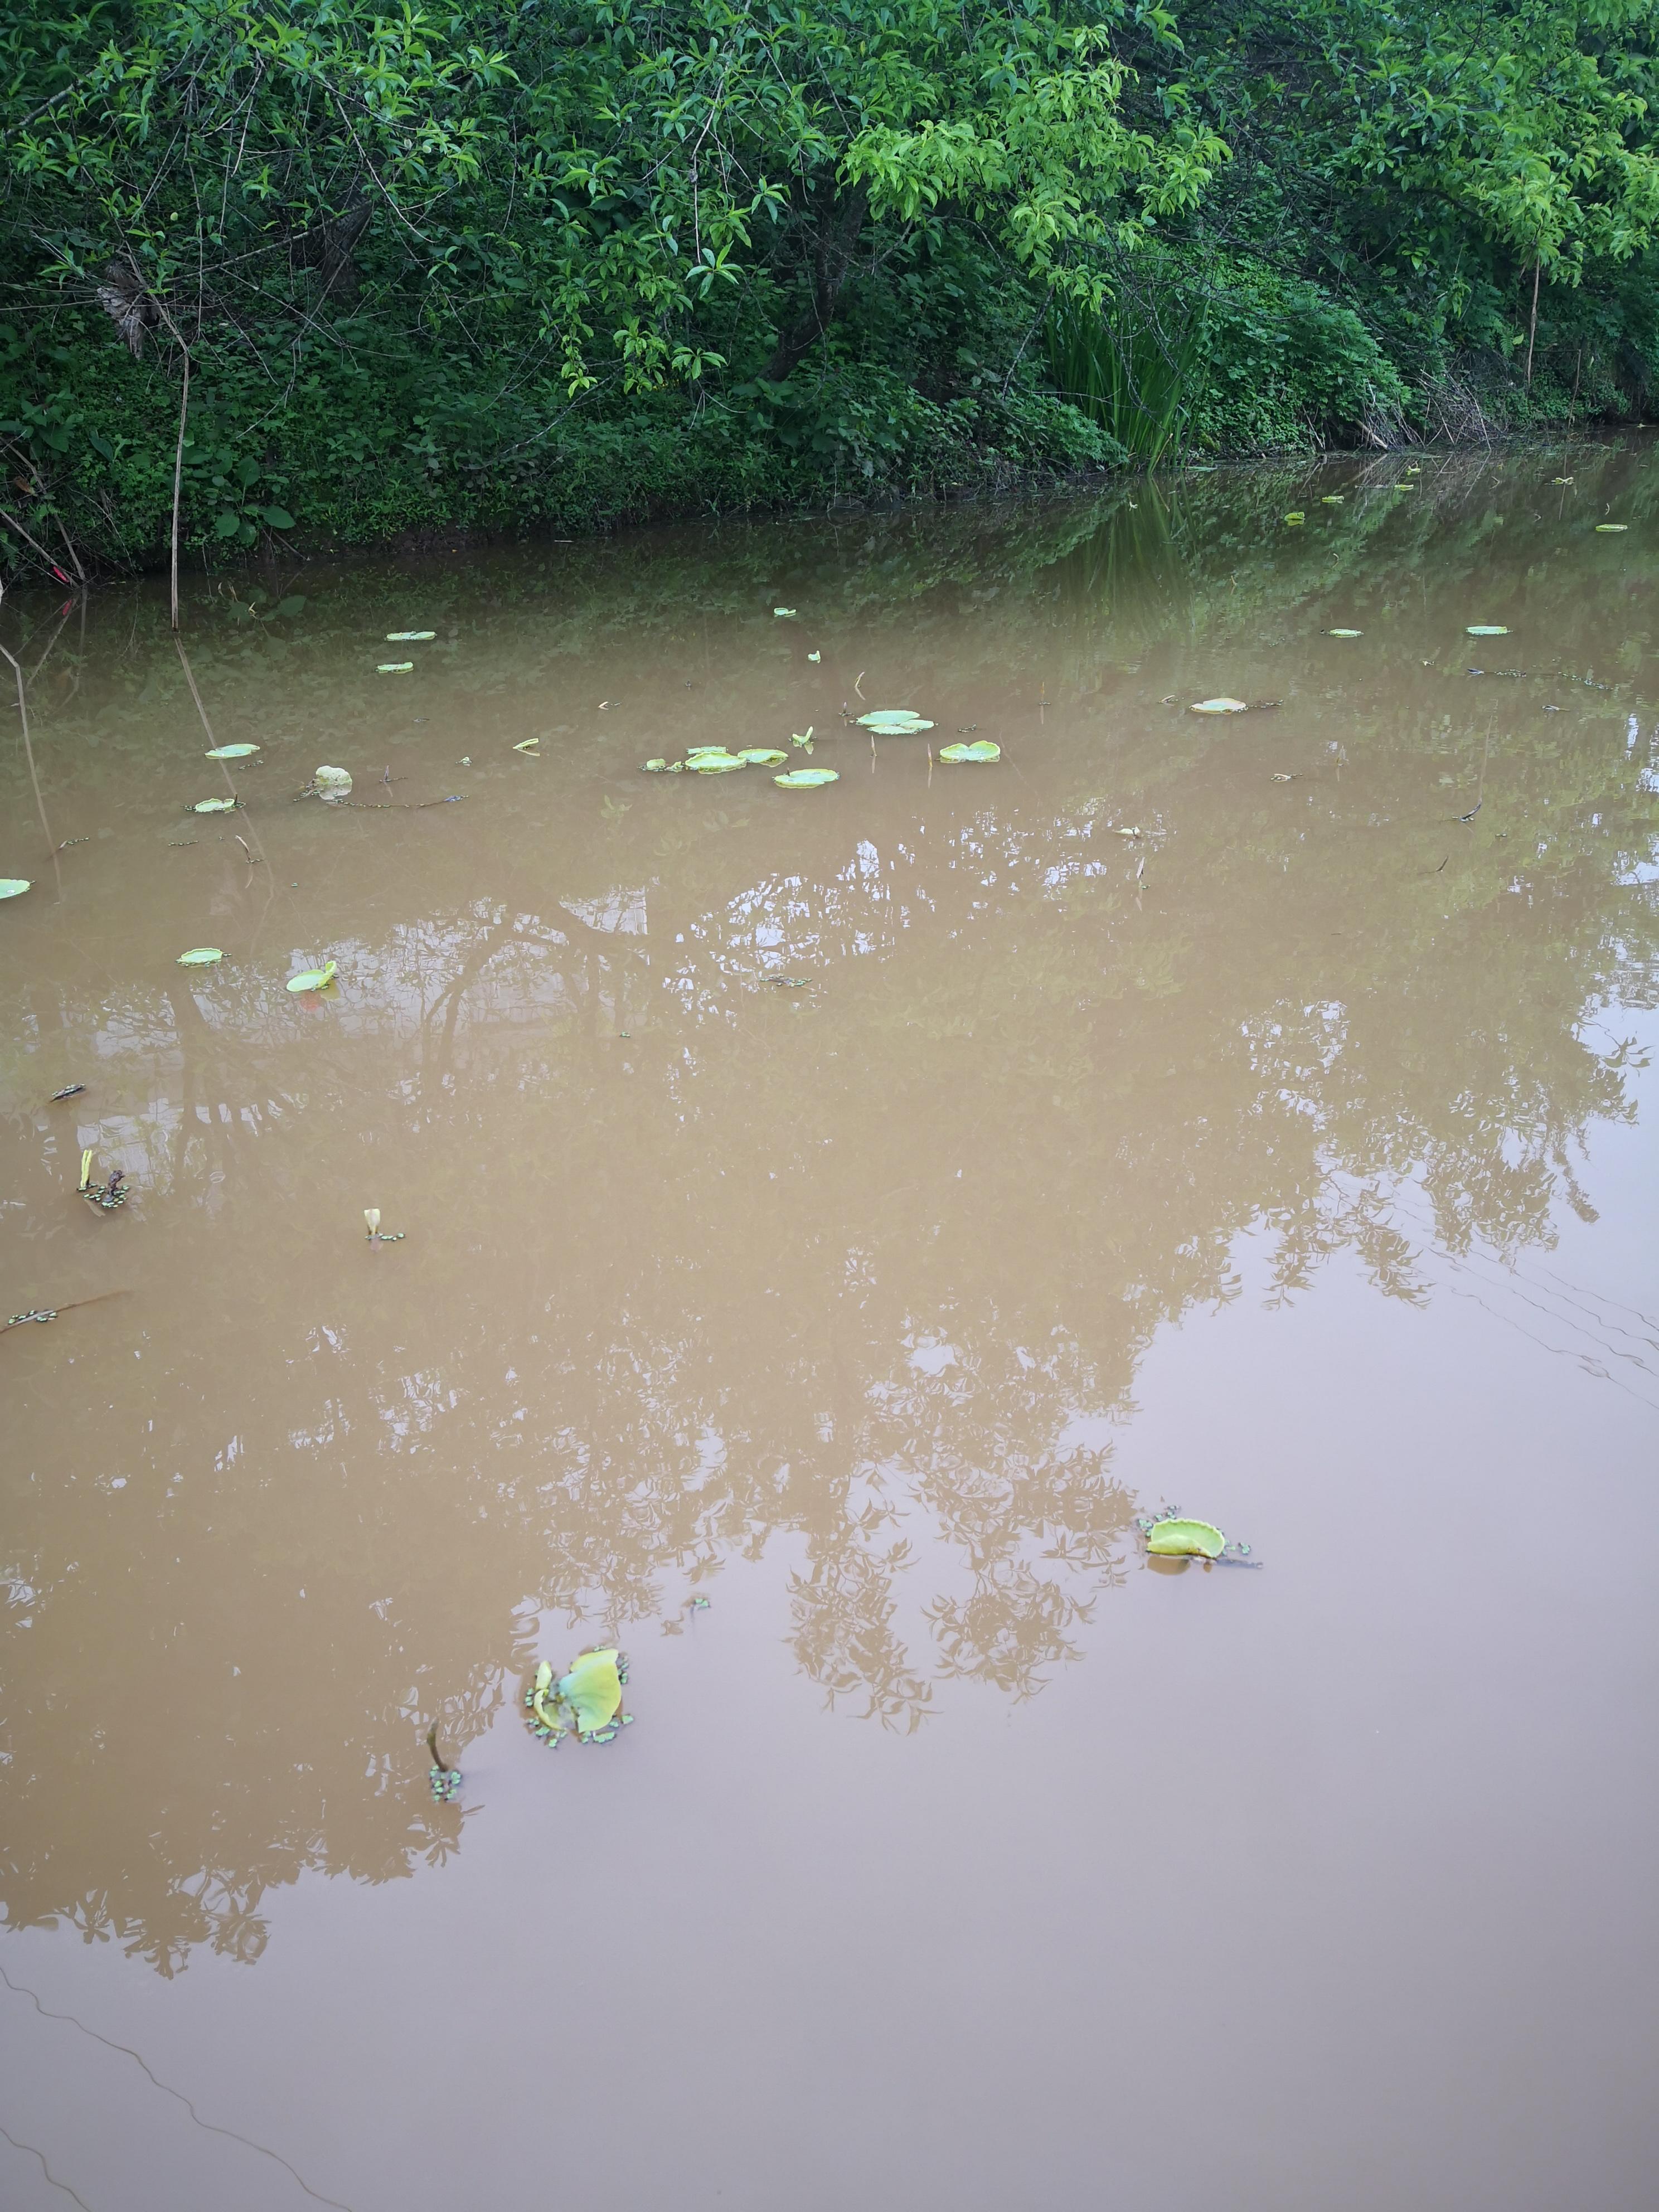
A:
784,614
1332,499
394,667
593,1690
656,768
1297,516
1610,529
230,752
815,656
332,779
1186,1540
410,636
806,778
716,763
1345,633
213,806
981,750
202,955
893,721
314,979
761,756
1487,629
1221,706
13,886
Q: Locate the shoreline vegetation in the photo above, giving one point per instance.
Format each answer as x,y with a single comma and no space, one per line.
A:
278,274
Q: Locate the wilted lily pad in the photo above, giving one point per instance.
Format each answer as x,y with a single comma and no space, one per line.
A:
981,750
1610,529
760,756
202,955
806,778
13,886
1221,706
1487,629
213,805
1186,1540
526,744
231,752
593,1690
314,979
410,636
394,667
1345,633
656,767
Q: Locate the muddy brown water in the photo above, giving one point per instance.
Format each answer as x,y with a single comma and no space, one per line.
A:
852,1207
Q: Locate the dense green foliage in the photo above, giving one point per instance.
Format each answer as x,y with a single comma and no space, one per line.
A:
560,260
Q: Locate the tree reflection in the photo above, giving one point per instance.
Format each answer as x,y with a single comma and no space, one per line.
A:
695,1265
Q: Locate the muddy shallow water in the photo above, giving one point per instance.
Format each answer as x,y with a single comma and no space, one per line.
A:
852,1207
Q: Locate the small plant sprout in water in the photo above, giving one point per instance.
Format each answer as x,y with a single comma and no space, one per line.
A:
105,1195
446,1780
587,1699
372,1219
1170,1534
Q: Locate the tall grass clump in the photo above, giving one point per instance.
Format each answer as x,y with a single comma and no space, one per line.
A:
1128,367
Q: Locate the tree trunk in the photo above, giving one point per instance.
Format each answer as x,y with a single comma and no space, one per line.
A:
835,235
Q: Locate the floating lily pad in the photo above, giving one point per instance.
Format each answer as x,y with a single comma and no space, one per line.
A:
784,614
981,750
333,779
1221,706
202,956
526,744
13,886
656,767
1487,629
1345,633
1297,516
314,979
1332,499
394,667
213,806
410,636
806,778
815,656
1186,1540
593,1690
760,756
714,761
1610,529
231,752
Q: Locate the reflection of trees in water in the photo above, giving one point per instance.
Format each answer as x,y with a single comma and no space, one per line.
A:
870,1306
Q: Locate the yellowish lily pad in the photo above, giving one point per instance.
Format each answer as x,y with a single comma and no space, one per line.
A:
314,979
1186,1540
231,752
201,955
806,778
1221,706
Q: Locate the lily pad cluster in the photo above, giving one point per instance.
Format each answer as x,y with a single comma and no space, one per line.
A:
1171,1534
717,760
587,1699
446,1784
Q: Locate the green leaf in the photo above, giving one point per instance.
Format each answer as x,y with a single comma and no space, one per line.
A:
227,524
203,955
13,886
981,750
784,614
1332,499
761,756
1297,515
1221,706
287,608
230,752
213,805
314,979
806,778
1610,529
278,518
1188,1540
1487,629
410,636
593,1690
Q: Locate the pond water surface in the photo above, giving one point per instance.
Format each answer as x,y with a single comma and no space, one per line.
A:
852,1207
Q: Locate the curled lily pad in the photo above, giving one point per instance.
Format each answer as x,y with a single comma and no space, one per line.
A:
1345,633
526,744
1186,1540
202,956
410,636
1296,516
815,656
656,767
802,737
593,1690
806,778
784,614
1223,705
1332,499
1487,629
394,667
1610,529
981,750
314,979
761,756
13,886
230,752
213,806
